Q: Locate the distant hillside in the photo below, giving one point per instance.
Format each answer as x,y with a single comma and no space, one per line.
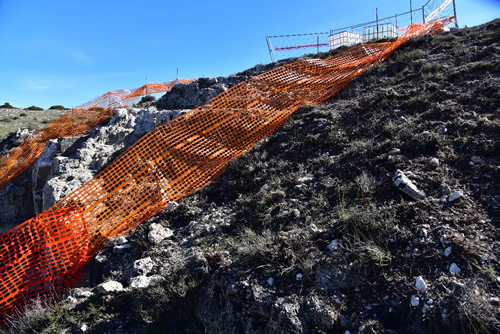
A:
307,232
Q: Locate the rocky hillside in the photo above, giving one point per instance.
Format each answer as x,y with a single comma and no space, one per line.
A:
308,233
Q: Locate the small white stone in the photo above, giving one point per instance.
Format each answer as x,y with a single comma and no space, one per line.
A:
172,205
434,162
284,213
140,282
84,328
143,266
120,249
425,308
270,281
312,229
299,276
447,251
456,195
158,233
454,269
334,245
109,286
420,284
415,301
120,241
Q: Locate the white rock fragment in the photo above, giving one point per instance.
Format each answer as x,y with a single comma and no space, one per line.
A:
312,229
434,162
405,185
120,249
455,269
334,245
158,233
299,276
420,284
141,282
143,266
447,251
172,205
109,287
83,328
120,240
415,301
456,195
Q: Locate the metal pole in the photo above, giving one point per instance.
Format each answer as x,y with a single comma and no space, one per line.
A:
269,46
317,45
397,30
411,13
376,14
455,13
423,15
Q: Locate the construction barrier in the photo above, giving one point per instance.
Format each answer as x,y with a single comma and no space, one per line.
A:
168,163
77,121
296,45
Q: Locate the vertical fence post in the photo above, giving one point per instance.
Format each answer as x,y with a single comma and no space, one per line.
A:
397,30
411,13
455,13
270,47
423,15
376,13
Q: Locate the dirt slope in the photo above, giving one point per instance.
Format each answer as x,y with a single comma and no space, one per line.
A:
307,233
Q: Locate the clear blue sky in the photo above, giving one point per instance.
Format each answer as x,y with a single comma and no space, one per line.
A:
69,52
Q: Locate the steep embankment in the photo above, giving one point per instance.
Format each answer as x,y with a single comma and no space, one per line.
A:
307,233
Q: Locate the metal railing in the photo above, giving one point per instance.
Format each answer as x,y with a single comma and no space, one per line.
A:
296,45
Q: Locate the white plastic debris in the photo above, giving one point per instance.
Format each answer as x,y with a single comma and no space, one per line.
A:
405,185
455,269
420,284
299,277
415,301
270,281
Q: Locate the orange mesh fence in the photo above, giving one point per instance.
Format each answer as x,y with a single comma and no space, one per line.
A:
42,257
77,121
184,155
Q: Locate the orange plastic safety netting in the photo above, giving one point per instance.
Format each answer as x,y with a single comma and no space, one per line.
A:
184,155
42,257
77,121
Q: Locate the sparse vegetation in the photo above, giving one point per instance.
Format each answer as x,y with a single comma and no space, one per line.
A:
7,105
307,233
34,108
58,107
